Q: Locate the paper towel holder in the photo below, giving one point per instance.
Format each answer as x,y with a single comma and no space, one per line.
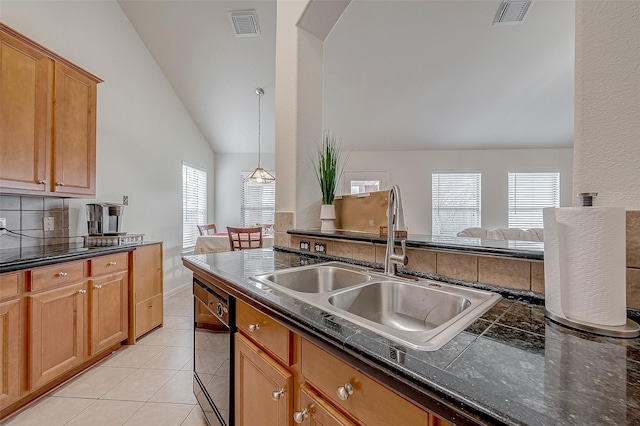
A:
627,331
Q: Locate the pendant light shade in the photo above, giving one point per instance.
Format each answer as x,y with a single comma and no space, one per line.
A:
260,175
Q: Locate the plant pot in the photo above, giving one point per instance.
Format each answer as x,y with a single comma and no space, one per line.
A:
327,217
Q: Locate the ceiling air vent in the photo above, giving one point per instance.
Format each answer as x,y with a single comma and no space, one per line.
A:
244,23
511,12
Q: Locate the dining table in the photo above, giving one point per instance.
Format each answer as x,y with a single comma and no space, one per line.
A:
219,242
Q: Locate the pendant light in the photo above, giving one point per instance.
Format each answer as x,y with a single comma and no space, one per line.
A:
260,175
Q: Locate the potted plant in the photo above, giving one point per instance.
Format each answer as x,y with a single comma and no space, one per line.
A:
328,169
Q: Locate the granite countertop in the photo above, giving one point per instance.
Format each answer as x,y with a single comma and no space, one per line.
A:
15,259
532,250
512,366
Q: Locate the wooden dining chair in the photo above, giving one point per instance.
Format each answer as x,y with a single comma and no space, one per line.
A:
244,238
207,229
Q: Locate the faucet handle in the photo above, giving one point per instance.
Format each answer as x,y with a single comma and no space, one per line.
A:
403,245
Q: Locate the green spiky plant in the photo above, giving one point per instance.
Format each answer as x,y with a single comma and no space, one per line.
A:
328,167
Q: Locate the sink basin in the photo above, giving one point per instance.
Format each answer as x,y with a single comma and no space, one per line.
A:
317,279
422,314
401,306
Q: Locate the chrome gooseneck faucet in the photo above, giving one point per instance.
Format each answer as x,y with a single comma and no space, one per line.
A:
395,216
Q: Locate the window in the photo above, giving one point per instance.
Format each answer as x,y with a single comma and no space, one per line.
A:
258,204
455,203
194,203
529,193
363,186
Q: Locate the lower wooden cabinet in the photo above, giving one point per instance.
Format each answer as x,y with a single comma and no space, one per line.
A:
263,387
316,411
56,332
145,290
11,333
109,311
148,315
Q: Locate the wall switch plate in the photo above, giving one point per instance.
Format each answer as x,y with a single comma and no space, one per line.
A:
319,248
48,224
305,245
125,200
3,225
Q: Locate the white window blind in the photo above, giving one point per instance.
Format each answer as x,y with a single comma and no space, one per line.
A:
258,205
456,202
194,203
364,186
529,193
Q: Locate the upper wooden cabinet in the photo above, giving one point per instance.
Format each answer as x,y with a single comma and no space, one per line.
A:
47,121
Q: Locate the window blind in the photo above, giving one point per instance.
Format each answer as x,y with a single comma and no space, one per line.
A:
529,193
456,202
194,203
258,203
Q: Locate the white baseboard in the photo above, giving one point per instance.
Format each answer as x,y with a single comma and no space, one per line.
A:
185,286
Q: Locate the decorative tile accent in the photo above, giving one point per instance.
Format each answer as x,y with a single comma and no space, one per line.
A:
537,277
283,221
633,238
339,248
53,203
32,220
459,266
32,203
381,252
282,239
365,252
421,261
9,202
505,272
633,288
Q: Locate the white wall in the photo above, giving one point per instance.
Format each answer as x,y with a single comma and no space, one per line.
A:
143,131
411,170
229,186
607,103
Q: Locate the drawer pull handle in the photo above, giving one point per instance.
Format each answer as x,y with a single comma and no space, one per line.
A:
254,327
98,286
62,274
299,416
113,263
344,391
276,395
82,291
42,182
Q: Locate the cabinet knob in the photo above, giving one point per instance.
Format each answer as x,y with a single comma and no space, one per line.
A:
42,182
82,291
299,416
62,274
113,263
254,327
277,394
344,391
59,183
97,286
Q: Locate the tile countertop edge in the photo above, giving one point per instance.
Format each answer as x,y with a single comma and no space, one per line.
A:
431,395
517,253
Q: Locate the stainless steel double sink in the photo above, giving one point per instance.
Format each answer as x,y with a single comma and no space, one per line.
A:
421,314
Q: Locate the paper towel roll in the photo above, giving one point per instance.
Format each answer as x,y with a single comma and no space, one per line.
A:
590,272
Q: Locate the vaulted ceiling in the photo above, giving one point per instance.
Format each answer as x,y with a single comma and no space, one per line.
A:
399,75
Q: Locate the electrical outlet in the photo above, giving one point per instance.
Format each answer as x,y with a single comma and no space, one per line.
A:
125,200
305,245
3,225
319,248
48,224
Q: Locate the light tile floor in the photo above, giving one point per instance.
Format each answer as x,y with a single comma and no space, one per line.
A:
148,383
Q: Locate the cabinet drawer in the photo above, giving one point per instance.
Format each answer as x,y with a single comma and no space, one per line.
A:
108,264
148,314
370,403
9,285
265,331
51,276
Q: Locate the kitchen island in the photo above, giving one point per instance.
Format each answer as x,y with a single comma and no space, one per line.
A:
512,366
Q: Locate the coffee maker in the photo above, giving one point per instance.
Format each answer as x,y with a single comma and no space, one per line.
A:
105,219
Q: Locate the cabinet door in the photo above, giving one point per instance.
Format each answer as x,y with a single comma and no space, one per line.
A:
56,332
10,352
315,411
109,311
147,271
74,140
262,387
26,95
148,315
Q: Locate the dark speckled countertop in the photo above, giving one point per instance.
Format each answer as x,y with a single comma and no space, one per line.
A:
511,366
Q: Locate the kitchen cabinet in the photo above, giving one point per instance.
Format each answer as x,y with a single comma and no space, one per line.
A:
11,338
47,121
263,387
316,411
145,290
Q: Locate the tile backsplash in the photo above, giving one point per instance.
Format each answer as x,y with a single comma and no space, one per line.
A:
25,215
